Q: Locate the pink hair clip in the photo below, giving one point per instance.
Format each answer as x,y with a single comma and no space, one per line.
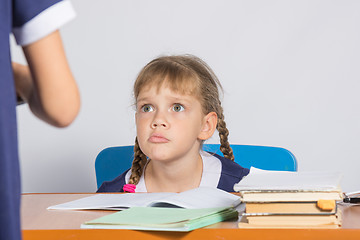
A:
129,188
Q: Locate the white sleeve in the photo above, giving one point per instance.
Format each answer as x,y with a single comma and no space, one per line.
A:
44,23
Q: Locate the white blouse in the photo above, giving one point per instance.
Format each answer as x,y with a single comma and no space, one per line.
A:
210,176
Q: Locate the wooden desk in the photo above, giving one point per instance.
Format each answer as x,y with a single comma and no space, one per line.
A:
39,223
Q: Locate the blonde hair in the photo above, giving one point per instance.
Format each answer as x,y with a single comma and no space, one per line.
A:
184,74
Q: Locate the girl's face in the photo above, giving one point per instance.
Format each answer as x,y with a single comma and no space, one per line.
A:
169,125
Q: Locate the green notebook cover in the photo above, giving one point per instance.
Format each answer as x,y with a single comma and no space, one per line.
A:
162,219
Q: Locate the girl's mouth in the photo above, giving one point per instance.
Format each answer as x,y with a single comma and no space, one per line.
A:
158,138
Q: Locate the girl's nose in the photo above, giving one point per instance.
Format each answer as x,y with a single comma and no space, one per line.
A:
158,124
159,121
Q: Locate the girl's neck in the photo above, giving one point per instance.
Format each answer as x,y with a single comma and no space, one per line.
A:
175,176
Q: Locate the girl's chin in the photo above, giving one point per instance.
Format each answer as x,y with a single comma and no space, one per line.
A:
160,157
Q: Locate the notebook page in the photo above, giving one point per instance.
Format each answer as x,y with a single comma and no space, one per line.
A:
111,201
202,197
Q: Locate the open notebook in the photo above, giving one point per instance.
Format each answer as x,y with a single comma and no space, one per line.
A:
203,197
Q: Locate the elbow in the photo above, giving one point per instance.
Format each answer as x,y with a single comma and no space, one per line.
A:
66,111
63,122
60,115
57,111
66,117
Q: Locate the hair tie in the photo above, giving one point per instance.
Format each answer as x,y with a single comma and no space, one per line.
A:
129,188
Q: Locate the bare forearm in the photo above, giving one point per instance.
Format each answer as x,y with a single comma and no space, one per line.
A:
52,93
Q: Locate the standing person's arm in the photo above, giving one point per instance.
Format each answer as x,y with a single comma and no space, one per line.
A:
47,85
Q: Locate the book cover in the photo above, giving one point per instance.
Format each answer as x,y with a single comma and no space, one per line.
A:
162,219
316,181
286,208
289,196
293,220
282,186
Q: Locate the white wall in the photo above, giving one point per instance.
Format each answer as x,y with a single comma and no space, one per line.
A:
290,70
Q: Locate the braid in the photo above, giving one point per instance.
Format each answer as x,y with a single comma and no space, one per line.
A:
137,165
223,134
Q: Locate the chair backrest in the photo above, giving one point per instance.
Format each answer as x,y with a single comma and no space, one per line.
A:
263,157
113,161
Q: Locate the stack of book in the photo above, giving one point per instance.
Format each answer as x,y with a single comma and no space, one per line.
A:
290,199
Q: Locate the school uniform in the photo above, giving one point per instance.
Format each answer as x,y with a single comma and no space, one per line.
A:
29,21
218,172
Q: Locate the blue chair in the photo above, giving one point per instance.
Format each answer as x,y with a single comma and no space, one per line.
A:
263,157
113,161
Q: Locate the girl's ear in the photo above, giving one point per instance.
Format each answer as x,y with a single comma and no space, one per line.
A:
208,126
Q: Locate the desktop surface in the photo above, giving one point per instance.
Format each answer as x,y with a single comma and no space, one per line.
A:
39,223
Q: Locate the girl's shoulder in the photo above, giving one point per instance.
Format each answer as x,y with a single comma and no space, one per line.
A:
115,185
231,173
232,168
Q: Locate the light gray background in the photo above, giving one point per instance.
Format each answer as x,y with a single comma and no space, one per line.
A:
290,70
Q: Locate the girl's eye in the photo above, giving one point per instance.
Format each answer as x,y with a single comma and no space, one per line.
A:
147,108
178,107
